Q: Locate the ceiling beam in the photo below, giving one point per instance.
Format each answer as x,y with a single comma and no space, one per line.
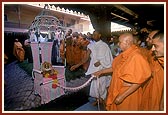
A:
126,10
119,16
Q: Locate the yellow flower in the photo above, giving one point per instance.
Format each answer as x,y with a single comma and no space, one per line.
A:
55,72
55,81
47,75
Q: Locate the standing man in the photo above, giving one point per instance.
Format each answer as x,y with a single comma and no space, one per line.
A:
101,58
154,89
158,49
149,38
130,69
73,54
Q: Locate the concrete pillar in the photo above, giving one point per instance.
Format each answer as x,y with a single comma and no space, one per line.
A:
100,23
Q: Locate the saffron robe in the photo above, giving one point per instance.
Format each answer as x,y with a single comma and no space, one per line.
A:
74,52
18,51
132,67
153,89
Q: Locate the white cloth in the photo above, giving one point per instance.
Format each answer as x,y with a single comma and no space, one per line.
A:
41,39
100,51
92,68
33,37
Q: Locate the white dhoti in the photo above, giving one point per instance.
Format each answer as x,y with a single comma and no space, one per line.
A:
98,88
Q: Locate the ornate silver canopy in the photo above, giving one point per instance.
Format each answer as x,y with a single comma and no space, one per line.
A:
45,23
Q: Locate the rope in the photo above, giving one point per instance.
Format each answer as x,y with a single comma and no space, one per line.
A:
79,87
72,88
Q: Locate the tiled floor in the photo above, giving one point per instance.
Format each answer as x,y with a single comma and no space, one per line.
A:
19,93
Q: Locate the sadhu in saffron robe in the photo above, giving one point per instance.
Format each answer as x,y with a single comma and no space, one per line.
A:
130,66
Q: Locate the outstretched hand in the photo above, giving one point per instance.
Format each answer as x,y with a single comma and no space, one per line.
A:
97,74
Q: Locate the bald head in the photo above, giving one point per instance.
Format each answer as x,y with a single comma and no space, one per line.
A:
125,41
127,37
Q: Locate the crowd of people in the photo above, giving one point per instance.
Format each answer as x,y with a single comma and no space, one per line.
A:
128,71
138,77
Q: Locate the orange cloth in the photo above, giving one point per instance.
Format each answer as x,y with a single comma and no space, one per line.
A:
145,53
154,87
18,51
74,52
62,50
129,66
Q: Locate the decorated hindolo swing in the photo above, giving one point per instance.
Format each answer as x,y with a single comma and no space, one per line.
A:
49,80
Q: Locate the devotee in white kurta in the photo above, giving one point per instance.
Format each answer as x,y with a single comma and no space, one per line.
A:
101,58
